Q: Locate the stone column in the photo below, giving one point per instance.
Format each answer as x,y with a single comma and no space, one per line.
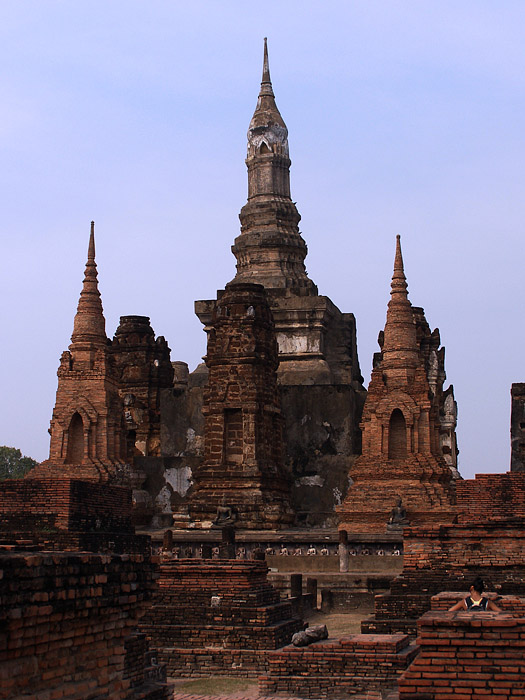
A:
311,589
343,551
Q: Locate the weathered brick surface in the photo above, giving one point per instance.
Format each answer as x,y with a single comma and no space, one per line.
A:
488,541
492,497
350,665
216,615
69,504
147,677
143,369
68,514
403,451
517,428
64,618
68,618
467,656
243,445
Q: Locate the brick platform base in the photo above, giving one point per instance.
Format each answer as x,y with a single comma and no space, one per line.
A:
356,664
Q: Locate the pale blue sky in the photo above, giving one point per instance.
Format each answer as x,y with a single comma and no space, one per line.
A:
403,117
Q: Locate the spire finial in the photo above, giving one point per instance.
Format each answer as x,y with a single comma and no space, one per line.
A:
400,344
90,325
266,83
399,282
91,246
266,64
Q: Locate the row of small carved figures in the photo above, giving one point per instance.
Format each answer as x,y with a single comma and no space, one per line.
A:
246,553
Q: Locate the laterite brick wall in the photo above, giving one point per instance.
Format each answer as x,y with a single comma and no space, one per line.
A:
467,656
64,504
63,621
491,496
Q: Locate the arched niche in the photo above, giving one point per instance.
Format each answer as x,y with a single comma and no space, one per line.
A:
75,440
397,435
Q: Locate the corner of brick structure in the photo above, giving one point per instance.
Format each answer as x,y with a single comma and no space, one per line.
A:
467,656
74,581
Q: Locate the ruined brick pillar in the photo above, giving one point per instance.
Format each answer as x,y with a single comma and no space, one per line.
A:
87,436
517,428
402,475
143,366
243,445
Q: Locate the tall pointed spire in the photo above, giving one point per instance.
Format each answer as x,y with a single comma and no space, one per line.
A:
90,326
400,346
266,83
270,249
267,126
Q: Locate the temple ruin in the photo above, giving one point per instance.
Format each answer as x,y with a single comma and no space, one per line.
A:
171,527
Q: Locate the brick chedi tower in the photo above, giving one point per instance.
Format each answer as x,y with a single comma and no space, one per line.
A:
402,451
243,448
87,436
322,390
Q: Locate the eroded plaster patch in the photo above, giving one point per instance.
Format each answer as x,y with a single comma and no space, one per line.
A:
179,478
316,480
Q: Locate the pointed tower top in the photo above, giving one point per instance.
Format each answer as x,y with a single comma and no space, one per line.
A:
270,249
400,344
266,83
90,326
399,281
91,246
267,126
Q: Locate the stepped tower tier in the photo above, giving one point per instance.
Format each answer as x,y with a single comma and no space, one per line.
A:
270,249
406,472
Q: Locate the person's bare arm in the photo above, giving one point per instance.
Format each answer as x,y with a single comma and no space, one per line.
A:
492,606
461,605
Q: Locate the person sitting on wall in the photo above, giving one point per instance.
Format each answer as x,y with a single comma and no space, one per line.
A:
475,601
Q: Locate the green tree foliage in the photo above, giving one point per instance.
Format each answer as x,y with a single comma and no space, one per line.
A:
13,465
